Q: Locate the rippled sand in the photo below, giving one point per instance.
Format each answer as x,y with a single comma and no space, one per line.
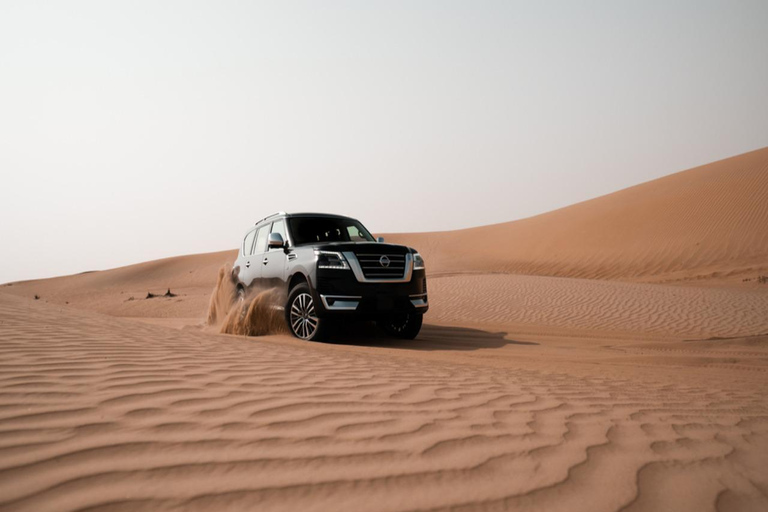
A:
111,414
610,356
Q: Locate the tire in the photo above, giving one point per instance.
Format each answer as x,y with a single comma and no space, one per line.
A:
405,325
301,315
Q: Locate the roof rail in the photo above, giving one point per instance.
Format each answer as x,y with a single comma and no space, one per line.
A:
268,216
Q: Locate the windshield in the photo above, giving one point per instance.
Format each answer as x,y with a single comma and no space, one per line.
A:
310,230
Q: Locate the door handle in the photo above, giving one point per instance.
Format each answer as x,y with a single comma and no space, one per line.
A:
265,261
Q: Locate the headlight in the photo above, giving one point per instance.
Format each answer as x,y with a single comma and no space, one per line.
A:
418,261
331,259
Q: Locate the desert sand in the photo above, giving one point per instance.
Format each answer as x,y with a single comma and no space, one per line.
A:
612,355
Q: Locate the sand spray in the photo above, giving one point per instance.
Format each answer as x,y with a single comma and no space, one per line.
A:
258,313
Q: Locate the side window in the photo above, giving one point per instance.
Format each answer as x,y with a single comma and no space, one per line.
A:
248,243
279,227
261,240
355,235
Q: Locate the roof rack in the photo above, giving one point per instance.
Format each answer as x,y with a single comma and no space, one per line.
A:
268,216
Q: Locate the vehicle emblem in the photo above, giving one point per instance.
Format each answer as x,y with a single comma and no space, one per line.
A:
384,261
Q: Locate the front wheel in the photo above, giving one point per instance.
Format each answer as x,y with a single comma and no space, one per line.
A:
405,325
301,315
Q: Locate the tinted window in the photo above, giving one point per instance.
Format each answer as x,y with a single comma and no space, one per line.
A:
308,230
248,243
279,227
261,240
356,235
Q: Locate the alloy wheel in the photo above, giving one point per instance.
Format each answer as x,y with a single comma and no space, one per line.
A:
304,321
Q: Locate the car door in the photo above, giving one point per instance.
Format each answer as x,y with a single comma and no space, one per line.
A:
259,248
244,263
274,262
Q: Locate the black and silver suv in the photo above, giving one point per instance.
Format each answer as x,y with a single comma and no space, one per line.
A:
331,268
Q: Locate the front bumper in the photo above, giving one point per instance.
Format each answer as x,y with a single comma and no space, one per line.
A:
339,293
374,304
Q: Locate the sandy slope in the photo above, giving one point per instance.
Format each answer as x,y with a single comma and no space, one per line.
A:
112,414
121,291
574,306
535,386
703,225
709,221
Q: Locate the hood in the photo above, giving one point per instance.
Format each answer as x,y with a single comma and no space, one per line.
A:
363,247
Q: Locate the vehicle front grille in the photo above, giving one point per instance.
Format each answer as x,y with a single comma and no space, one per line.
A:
373,268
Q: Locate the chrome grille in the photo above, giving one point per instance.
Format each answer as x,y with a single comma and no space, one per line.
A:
373,268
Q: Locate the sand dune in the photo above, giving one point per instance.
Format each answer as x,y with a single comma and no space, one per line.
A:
122,291
612,355
102,413
703,225
705,222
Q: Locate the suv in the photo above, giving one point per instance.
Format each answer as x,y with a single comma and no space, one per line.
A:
331,268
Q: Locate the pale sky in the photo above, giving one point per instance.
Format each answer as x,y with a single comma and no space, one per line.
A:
131,131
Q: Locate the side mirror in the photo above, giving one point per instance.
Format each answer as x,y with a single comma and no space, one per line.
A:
380,239
276,241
